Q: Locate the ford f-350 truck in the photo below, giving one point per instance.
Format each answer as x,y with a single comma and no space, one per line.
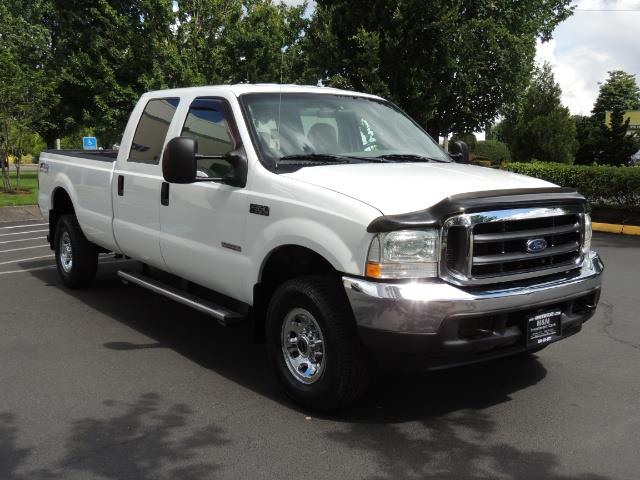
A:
334,223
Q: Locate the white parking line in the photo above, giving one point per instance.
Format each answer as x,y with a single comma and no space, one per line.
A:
26,259
22,240
23,233
53,266
27,270
25,226
23,248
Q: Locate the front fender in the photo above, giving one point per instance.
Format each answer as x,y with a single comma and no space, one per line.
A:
344,256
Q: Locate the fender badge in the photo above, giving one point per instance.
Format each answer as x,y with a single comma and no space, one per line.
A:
259,209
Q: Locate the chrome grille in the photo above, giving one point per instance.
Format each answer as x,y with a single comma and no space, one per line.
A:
491,247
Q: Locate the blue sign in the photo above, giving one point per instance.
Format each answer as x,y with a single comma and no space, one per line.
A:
89,143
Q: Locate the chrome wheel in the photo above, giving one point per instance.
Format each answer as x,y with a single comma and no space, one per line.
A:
66,253
303,346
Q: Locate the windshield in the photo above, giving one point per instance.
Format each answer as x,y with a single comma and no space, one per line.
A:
313,126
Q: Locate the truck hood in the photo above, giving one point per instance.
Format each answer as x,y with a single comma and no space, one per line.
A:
395,188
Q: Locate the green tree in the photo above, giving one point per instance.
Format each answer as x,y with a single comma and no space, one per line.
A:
26,92
541,128
615,145
104,54
206,33
494,150
619,92
588,131
495,132
452,66
270,42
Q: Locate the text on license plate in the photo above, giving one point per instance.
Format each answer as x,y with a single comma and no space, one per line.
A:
543,327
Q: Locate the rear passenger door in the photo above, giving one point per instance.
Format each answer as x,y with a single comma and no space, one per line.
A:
137,184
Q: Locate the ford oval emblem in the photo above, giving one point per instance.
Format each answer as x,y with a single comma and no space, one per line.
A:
536,245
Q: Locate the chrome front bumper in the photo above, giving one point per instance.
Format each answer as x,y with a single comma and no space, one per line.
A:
430,309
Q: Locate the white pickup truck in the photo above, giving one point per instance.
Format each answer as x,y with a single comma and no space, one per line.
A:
331,221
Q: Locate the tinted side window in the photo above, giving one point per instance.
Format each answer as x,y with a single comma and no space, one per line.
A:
210,122
152,130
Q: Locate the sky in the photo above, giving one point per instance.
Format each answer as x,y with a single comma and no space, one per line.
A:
594,40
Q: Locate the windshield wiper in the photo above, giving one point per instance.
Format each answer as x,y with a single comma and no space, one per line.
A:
329,157
410,157
316,157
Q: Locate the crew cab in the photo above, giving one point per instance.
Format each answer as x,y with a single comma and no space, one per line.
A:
334,223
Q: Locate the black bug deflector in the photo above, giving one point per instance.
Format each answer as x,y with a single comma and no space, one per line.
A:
477,201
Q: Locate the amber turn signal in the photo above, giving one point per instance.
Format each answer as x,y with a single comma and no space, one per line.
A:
373,270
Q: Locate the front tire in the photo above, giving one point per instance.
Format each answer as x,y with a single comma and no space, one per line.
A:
314,344
76,257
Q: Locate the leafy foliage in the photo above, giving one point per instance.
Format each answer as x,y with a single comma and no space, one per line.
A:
601,185
587,134
614,143
494,150
609,144
106,53
451,65
541,128
619,92
26,92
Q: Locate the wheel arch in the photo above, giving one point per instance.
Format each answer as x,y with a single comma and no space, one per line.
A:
281,264
61,204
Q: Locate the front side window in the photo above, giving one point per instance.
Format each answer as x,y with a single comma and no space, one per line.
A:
211,124
152,130
345,127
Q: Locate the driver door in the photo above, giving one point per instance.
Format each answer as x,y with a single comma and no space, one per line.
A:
203,224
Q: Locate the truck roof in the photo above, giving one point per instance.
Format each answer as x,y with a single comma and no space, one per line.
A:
242,88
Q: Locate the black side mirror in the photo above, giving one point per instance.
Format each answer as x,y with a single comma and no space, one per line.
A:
179,160
179,163
459,151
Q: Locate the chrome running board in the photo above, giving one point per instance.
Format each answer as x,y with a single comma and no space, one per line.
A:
223,315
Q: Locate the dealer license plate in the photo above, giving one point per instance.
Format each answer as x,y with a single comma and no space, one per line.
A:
544,327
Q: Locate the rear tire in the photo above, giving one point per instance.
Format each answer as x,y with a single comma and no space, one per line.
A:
76,257
314,345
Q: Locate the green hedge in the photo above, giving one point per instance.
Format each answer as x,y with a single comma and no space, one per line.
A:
602,185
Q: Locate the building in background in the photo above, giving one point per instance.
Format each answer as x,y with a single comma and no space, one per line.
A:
632,115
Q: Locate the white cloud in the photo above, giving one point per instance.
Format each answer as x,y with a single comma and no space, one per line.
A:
589,44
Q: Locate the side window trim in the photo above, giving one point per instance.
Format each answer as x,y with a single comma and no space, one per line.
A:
164,139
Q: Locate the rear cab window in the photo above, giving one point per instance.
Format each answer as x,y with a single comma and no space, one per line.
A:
152,129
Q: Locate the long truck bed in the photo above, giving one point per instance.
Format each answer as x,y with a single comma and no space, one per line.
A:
87,176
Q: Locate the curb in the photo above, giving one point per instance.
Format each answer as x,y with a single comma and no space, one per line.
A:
616,228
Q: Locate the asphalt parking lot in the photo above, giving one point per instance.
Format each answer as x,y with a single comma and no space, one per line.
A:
118,383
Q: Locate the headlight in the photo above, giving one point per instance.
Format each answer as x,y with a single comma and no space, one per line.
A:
404,254
588,232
